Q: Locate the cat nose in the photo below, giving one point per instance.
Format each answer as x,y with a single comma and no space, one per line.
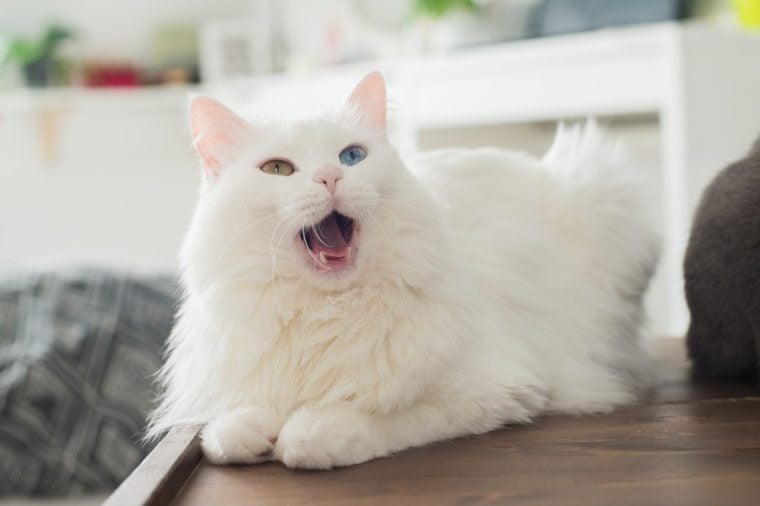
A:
329,176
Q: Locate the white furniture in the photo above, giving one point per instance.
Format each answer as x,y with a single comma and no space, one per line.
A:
95,176
701,83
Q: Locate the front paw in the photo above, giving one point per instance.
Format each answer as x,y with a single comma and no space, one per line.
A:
243,436
326,439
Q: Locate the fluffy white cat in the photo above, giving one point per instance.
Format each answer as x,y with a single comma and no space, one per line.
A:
341,305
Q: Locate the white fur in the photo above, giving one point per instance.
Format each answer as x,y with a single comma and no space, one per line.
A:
489,288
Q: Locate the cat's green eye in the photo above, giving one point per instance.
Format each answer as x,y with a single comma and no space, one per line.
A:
278,167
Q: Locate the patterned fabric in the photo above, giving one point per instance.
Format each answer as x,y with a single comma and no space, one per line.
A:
78,350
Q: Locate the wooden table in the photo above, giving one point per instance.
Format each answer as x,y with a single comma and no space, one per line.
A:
688,443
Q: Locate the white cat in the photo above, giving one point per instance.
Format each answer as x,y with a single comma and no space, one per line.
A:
342,305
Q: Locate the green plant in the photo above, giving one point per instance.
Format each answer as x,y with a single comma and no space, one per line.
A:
27,51
38,58
437,9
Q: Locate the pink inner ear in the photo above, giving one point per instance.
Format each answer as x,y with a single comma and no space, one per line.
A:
218,133
369,98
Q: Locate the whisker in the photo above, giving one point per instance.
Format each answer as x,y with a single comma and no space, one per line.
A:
272,239
239,234
402,185
427,213
382,229
317,229
308,250
274,252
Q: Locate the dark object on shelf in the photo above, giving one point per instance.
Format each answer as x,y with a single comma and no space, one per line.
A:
556,17
37,73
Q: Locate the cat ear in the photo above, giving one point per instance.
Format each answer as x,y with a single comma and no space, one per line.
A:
218,133
369,99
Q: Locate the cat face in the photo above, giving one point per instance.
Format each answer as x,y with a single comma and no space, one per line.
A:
319,201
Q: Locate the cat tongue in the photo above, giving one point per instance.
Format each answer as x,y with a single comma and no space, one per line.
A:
327,237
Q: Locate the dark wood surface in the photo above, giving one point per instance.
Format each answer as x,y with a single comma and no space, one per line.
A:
686,444
159,479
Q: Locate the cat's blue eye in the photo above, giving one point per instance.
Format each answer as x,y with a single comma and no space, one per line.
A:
352,155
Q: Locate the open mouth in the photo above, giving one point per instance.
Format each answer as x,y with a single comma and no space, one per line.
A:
329,242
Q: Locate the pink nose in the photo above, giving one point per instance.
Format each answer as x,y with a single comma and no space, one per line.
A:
329,176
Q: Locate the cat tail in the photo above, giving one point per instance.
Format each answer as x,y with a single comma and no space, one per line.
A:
586,158
607,190
611,203
594,169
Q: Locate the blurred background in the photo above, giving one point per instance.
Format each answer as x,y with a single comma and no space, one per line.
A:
98,180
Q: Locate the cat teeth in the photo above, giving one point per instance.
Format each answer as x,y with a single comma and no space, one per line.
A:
323,258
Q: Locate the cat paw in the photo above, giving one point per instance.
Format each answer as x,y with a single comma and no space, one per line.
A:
243,436
324,439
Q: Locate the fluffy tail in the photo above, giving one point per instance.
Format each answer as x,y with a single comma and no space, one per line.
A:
594,167
584,157
612,198
613,207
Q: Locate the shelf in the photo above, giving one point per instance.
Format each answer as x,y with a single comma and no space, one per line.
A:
151,98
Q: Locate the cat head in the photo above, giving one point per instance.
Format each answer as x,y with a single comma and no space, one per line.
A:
324,202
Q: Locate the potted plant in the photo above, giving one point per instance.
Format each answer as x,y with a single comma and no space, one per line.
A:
446,24
436,9
38,58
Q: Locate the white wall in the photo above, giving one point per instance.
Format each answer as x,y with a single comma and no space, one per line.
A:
107,177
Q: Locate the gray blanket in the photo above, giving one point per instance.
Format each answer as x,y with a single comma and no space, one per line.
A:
78,351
